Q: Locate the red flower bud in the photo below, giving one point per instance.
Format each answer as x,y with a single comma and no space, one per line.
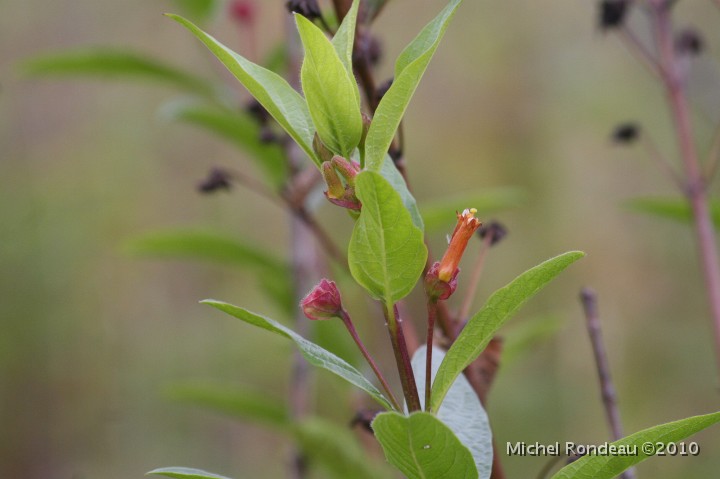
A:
438,288
323,302
242,11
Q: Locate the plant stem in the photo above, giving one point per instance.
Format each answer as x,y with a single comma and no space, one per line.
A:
475,279
432,315
351,329
695,188
607,388
402,358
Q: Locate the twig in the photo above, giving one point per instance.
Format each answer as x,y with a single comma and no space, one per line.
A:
475,278
432,304
713,160
695,188
353,333
296,207
607,389
662,162
639,51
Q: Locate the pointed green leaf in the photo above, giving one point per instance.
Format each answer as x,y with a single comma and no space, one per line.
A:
330,91
238,128
344,38
677,209
114,63
499,307
313,353
273,273
336,450
232,401
609,466
201,9
185,473
461,411
422,447
391,173
206,246
409,69
440,214
270,89
387,252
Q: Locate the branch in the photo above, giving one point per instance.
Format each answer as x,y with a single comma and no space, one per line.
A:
607,389
695,187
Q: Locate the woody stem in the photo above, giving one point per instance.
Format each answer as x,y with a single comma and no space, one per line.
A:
402,358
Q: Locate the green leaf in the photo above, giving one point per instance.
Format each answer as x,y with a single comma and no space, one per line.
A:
114,63
422,447
313,353
677,209
345,38
206,246
608,466
201,9
272,273
391,173
336,450
409,69
439,214
330,90
499,307
185,473
519,340
386,253
461,411
232,401
270,89
238,128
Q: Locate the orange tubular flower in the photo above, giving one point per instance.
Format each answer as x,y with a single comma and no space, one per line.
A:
466,226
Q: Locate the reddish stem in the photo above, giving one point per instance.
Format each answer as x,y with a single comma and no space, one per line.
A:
695,189
432,315
402,358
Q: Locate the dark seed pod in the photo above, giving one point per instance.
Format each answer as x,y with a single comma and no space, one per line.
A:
689,42
626,133
613,13
307,8
216,180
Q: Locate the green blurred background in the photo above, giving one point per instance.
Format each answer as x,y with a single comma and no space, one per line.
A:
520,94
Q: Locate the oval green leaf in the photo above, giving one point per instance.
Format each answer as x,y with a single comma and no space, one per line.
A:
499,307
387,252
461,411
330,90
313,353
608,466
114,63
269,89
422,447
409,69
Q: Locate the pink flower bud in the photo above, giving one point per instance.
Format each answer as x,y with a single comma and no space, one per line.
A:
323,302
242,11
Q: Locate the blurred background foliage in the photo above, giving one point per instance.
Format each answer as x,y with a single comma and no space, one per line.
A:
521,94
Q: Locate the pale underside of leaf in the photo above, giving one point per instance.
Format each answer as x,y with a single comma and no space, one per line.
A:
461,411
185,473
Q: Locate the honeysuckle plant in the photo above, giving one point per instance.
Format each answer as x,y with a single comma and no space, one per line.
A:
347,132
